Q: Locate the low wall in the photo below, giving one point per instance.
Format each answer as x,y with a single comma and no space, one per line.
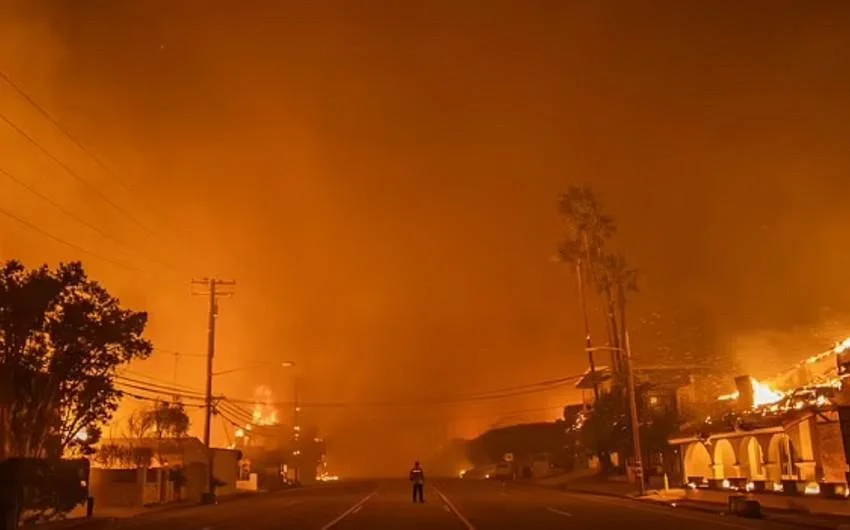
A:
117,487
252,484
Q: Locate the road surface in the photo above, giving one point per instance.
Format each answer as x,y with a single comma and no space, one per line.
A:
450,505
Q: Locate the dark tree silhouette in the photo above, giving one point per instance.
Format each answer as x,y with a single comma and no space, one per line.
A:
62,336
588,230
607,428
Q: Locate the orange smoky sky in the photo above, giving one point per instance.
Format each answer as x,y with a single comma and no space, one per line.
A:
380,179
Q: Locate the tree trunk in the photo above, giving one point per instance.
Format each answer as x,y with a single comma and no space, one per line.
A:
614,333
621,306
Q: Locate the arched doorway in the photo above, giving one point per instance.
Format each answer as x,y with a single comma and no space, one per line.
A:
697,461
782,456
725,461
751,458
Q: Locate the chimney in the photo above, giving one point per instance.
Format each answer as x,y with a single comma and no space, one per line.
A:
744,384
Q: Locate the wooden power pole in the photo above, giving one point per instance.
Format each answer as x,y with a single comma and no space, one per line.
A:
212,286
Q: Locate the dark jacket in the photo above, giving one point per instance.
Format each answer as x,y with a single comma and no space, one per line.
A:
417,475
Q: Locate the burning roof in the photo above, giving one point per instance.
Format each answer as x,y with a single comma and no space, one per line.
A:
757,404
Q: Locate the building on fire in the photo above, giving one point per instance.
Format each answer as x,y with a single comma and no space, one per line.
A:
765,440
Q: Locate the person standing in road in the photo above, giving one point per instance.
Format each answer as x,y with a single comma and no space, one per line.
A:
417,476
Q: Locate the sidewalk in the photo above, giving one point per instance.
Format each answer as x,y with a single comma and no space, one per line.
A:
106,516
677,499
602,486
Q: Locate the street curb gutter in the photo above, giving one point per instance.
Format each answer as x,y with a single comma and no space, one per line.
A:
817,525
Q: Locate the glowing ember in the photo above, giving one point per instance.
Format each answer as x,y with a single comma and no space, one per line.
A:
812,488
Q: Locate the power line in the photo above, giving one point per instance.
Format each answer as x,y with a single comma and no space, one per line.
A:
156,386
163,382
68,244
494,395
71,214
508,415
157,400
235,410
61,129
77,176
156,391
180,353
80,145
56,205
546,383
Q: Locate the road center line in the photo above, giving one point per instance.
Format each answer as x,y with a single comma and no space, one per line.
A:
354,509
560,512
455,511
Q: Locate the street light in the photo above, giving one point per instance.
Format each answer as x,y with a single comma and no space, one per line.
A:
282,364
630,380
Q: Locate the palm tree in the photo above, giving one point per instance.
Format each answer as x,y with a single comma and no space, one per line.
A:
588,229
615,280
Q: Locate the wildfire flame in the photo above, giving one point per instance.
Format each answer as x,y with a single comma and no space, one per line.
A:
264,412
762,394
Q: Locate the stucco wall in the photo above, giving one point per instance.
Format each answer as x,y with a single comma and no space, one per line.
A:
117,487
831,448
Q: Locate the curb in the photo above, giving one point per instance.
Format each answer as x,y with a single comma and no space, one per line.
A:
711,509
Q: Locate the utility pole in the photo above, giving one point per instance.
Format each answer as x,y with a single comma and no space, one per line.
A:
633,411
212,285
588,344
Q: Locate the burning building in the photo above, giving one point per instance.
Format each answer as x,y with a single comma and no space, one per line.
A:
768,439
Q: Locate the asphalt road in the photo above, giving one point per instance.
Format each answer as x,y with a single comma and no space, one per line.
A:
450,505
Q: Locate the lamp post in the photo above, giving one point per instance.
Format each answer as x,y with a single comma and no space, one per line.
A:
633,413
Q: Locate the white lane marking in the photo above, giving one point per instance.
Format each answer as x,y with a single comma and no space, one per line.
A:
660,510
559,512
346,513
448,510
455,511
